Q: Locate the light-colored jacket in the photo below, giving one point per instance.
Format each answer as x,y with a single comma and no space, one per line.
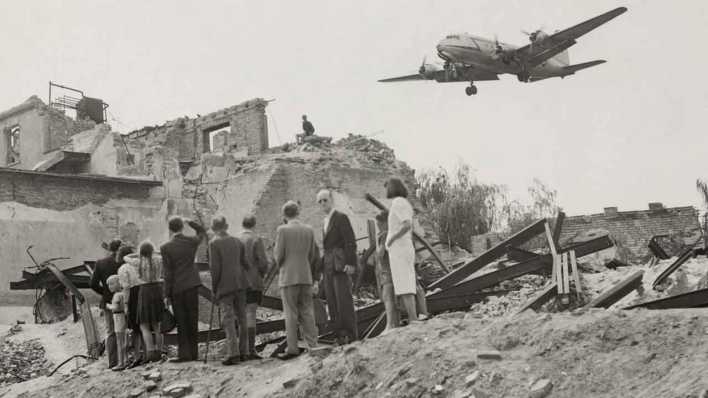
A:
296,253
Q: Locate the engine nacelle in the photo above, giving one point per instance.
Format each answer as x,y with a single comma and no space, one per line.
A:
428,71
538,36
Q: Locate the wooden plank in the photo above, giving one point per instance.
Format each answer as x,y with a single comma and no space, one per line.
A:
558,228
540,263
566,278
446,302
549,237
617,292
685,255
490,255
519,255
541,298
576,274
420,239
695,299
557,275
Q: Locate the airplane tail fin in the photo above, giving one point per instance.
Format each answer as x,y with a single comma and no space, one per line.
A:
574,68
563,58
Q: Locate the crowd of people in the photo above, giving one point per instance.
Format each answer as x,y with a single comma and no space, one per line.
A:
139,291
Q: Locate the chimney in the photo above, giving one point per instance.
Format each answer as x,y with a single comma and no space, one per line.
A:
610,211
655,206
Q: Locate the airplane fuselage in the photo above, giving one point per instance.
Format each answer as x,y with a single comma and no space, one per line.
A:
478,52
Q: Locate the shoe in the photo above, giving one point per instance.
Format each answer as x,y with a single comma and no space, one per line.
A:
286,355
119,368
135,363
244,358
254,356
154,356
178,360
231,361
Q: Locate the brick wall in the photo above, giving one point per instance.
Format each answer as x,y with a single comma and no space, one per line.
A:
632,230
65,192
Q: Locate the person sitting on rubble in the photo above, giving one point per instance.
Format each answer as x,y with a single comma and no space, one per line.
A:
150,302
307,130
117,307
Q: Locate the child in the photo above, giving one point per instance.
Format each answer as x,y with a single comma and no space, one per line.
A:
117,306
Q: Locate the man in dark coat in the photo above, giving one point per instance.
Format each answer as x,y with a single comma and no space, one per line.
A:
338,265
227,261
181,284
104,268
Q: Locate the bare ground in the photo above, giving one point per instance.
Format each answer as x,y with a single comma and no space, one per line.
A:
601,353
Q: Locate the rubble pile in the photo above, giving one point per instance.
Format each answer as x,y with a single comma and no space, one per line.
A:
377,151
520,290
21,361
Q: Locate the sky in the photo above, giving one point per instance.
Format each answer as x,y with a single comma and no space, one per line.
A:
623,134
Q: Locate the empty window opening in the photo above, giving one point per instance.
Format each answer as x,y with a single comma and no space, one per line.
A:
221,130
12,142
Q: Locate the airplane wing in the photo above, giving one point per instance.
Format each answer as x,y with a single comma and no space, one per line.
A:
465,74
406,78
536,53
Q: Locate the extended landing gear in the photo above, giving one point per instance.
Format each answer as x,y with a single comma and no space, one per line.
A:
523,76
471,90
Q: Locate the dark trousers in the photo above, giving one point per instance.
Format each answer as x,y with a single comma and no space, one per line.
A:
233,307
186,307
338,290
111,343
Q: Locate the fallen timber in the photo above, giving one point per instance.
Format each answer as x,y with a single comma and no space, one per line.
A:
617,292
541,298
544,262
685,255
695,299
490,255
558,228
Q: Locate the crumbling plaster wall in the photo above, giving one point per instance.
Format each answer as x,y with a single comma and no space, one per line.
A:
70,217
42,130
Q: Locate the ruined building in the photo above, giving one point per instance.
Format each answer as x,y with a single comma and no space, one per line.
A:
67,185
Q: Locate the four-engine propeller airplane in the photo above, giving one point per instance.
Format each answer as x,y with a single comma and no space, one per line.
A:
471,58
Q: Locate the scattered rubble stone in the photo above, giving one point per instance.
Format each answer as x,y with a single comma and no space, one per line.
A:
541,388
178,389
469,380
21,361
150,385
495,355
291,383
438,389
136,392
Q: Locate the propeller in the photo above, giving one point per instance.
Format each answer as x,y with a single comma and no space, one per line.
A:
421,70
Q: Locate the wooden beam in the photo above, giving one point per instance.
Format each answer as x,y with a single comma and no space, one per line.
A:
541,298
576,274
688,253
540,263
617,292
519,255
490,255
695,299
558,228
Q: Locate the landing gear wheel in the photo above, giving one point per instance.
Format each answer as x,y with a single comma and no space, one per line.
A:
471,90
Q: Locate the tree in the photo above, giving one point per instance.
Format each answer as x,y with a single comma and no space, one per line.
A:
459,205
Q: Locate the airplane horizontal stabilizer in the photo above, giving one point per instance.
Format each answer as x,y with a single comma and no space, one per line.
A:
574,68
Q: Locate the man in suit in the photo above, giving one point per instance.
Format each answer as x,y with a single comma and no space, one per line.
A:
104,268
257,268
227,261
181,284
338,265
297,257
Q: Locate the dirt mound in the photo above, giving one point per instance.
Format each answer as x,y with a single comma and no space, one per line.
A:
601,354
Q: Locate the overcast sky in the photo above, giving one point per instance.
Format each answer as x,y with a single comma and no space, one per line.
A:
622,134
